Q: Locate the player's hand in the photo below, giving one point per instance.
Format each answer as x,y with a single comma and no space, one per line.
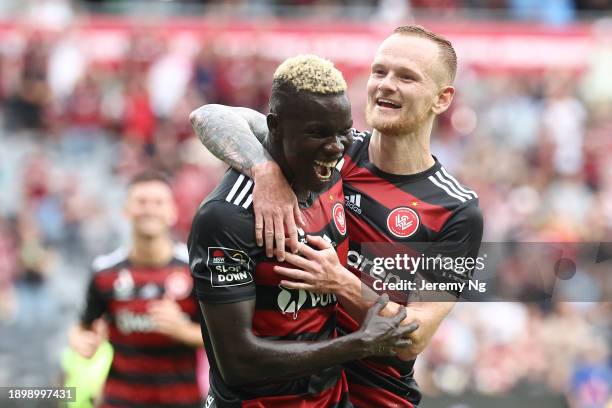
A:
84,341
383,336
276,209
317,270
168,317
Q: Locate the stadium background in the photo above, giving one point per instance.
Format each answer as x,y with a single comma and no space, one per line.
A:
93,92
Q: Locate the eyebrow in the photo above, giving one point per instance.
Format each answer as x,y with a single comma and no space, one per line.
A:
401,69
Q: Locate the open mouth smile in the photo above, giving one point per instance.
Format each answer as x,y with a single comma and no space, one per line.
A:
387,103
323,170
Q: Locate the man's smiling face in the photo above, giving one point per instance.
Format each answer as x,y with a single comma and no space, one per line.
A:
405,79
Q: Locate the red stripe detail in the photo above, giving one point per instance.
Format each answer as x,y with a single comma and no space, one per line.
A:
265,275
140,275
323,400
387,194
141,306
346,322
154,364
379,369
319,214
363,396
275,323
187,393
342,250
361,231
136,339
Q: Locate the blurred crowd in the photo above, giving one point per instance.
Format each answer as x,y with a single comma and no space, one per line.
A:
535,146
557,12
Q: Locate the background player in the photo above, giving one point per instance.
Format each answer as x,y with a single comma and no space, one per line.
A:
394,174
270,346
146,295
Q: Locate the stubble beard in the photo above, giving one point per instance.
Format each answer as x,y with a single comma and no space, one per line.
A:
404,124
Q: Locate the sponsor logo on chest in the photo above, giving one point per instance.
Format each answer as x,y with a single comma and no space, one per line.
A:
290,301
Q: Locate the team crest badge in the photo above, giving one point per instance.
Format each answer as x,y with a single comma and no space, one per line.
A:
403,222
339,218
178,285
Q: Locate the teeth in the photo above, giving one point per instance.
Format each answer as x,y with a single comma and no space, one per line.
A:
387,101
326,164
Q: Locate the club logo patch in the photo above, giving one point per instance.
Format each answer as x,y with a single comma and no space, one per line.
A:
229,267
403,222
123,286
339,218
178,285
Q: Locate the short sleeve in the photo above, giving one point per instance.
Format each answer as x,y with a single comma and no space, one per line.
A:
465,227
457,247
222,250
95,304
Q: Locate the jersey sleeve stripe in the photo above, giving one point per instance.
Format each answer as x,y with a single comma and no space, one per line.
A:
450,185
450,178
244,191
235,188
445,188
248,201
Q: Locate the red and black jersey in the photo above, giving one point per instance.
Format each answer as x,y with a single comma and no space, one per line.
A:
431,206
228,266
148,368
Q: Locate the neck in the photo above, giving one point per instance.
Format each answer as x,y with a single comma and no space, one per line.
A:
403,154
151,250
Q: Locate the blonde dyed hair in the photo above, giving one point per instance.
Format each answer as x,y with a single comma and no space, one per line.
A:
310,73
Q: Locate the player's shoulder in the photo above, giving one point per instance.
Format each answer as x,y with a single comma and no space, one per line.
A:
449,191
360,141
180,253
234,189
359,136
227,214
357,151
111,260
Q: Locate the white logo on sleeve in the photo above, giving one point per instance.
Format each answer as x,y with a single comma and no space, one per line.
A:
229,267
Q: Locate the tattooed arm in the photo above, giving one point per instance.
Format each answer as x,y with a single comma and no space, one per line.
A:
234,135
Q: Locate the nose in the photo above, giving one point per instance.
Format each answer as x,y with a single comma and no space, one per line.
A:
387,83
335,147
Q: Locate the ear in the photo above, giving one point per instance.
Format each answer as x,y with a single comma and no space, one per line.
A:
273,126
444,99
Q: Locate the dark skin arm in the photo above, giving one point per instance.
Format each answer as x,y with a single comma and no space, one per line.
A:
244,358
234,135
